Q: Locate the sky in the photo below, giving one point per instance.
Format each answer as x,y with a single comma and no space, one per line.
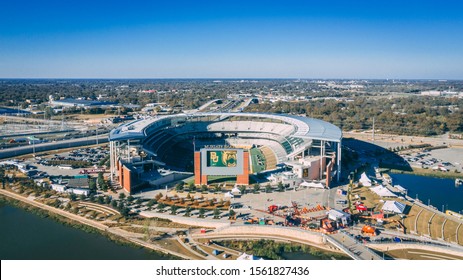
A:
232,39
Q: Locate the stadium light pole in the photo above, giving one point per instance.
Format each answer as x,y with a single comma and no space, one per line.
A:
33,146
96,129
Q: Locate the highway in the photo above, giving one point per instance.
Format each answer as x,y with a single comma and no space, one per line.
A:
71,143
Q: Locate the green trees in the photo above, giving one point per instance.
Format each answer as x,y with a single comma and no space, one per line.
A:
268,188
203,188
107,200
188,211
92,184
179,187
72,196
256,188
173,209
202,212
218,189
242,189
150,203
101,182
192,187
231,214
125,211
281,187
216,213
122,196
161,206
3,177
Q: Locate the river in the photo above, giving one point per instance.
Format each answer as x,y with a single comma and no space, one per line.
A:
437,191
27,236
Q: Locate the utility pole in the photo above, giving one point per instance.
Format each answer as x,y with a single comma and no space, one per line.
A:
33,146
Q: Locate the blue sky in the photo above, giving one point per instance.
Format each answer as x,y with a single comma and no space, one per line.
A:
231,39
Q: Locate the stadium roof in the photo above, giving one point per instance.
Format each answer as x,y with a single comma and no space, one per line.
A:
304,127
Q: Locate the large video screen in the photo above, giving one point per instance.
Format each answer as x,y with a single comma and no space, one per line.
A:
222,158
222,161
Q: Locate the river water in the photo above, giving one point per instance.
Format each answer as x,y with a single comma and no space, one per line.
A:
438,192
27,236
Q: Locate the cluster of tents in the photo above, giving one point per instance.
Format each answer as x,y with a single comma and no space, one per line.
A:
391,206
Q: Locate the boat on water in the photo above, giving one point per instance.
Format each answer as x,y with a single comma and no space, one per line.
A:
400,188
458,182
387,178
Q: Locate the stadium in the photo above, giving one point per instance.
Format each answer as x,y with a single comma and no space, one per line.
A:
214,147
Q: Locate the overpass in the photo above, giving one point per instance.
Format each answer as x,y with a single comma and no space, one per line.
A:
352,247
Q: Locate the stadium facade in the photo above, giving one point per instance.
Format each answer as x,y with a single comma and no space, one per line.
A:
159,150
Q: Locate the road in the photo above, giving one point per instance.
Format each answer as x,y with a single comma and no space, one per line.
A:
355,249
71,143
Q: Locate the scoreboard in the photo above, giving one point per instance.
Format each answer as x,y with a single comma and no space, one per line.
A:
222,158
226,161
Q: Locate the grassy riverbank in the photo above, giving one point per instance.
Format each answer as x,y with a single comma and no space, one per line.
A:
429,173
68,222
270,249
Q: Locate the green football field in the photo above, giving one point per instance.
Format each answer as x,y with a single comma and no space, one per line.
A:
257,160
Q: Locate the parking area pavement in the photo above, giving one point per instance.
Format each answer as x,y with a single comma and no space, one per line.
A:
252,205
449,159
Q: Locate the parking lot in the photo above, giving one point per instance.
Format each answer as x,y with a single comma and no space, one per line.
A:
70,163
448,159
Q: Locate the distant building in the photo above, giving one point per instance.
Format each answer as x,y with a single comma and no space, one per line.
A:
81,103
431,93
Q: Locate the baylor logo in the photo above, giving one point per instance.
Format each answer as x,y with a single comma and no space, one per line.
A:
229,158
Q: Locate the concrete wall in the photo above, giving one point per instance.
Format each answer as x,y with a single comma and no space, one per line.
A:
127,180
243,179
197,162
170,178
309,236
405,246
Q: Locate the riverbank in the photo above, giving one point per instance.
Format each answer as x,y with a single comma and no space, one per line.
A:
428,173
61,216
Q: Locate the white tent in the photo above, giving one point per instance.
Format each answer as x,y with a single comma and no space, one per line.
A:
394,207
246,257
235,190
229,195
312,185
335,215
382,191
365,180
